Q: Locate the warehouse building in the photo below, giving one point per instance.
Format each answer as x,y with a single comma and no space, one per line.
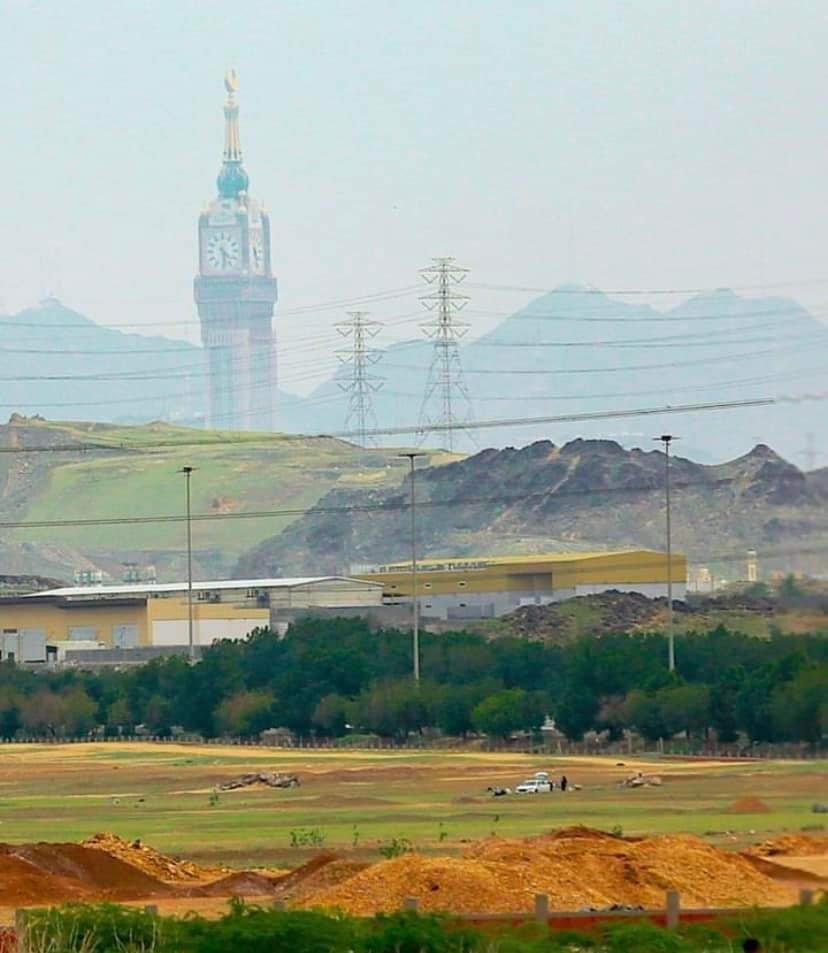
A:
55,621
479,588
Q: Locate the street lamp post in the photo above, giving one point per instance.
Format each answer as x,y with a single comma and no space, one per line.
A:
188,472
411,456
667,439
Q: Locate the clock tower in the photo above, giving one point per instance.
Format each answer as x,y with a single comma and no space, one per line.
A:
235,292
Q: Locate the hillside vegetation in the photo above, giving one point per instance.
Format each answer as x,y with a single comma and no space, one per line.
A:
107,472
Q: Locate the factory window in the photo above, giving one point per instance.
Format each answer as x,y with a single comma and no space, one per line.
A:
462,605
428,605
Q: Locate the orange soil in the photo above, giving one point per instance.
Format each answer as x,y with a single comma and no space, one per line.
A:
748,805
797,845
575,868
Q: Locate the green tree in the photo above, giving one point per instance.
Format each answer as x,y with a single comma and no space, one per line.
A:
394,708
245,714
577,711
79,712
685,708
799,708
10,713
42,713
506,711
331,715
642,712
119,715
723,696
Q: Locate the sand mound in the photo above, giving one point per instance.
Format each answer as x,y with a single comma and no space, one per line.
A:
151,861
748,805
793,845
575,868
38,873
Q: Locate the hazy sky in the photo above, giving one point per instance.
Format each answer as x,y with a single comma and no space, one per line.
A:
627,144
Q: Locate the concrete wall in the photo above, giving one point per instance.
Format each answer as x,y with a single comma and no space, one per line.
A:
205,631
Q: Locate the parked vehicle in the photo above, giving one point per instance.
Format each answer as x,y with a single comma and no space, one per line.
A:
539,784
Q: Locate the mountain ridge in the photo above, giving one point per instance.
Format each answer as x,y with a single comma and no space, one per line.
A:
585,494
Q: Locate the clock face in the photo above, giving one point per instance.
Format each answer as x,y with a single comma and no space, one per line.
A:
257,260
223,251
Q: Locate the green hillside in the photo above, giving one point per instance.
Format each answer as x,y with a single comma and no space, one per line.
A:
95,471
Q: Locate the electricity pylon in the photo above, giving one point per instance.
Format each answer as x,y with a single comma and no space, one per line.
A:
446,404
362,384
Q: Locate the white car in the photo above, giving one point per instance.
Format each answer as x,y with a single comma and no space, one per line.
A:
534,786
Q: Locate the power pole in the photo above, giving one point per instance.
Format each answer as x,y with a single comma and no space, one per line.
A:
411,456
362,383
667,439
188,472
446,387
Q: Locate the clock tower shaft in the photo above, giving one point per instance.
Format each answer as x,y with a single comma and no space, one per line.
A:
236,293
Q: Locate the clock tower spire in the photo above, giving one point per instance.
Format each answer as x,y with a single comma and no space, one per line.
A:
235,292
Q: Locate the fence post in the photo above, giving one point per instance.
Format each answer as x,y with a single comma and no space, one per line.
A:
411,903
806,897
673,909
542,907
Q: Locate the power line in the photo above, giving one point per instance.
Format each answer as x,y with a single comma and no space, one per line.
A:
266,439
588,290
626,368
445,385
394,505
362,384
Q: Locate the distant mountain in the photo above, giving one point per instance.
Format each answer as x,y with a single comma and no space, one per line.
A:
577,350
587,494
57,363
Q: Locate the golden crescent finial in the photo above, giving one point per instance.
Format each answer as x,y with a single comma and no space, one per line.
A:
231,81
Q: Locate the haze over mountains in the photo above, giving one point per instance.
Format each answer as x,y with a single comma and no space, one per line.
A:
570,351
578,351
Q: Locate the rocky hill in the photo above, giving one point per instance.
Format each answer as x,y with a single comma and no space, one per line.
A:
587,494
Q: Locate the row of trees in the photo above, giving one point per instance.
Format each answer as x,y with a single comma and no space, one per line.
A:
329,677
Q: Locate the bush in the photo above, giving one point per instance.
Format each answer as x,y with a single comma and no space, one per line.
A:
81,928
112,929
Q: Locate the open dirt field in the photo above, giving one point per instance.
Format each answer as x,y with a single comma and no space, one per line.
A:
162,795
357,804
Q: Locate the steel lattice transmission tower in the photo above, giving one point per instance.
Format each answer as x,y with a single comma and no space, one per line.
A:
446,405
362,384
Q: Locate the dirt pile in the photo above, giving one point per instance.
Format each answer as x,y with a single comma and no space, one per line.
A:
151,861
748,805
242,883
324,872
46,873
791,845
576,868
